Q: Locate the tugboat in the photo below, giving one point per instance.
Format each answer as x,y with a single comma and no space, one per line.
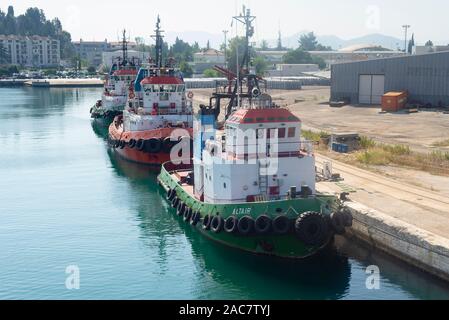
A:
122,74
156,125
252,186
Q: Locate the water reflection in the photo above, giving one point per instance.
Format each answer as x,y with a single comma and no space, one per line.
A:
417,283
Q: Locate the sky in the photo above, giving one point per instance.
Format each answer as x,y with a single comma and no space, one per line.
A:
100,19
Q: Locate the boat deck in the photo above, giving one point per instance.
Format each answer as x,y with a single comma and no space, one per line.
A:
179,176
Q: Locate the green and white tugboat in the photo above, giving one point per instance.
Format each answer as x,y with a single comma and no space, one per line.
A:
252,185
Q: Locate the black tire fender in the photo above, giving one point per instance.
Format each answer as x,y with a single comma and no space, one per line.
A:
337,220
188,212
281,225
245,225
206,222
153,145
217,224
196,217
140,145
312,228
132,143
230,225
263,224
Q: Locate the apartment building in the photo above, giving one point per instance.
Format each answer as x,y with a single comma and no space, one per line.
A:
32,51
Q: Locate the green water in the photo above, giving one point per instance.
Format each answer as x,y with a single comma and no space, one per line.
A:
67,200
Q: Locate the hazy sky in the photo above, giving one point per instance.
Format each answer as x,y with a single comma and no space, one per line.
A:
99,19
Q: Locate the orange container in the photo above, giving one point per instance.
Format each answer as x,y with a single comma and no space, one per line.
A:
394,101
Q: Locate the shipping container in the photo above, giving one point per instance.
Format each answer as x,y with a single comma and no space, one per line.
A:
394,101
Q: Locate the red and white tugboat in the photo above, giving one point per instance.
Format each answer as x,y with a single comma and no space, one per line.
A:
158,115
121,76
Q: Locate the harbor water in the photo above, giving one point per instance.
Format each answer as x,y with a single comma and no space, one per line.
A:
68,202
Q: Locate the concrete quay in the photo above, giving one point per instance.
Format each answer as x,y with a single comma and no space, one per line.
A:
401,220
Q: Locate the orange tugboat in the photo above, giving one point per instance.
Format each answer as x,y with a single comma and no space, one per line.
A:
157,124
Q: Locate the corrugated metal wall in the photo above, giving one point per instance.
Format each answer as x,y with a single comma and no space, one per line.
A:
426,77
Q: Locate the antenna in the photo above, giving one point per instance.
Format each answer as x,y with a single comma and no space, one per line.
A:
247,19
159,42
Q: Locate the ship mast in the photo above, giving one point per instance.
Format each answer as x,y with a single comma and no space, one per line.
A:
124,49
159,43
247,19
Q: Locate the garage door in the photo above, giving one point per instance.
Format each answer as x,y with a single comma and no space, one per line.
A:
371,89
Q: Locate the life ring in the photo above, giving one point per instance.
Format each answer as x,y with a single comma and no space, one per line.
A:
196,217
132,143
190,95
170,194
216,224
281,225
153,145
230,225
312,228
263,224
140,145
245,225
187,214
132,95
123,144
206,222
337,220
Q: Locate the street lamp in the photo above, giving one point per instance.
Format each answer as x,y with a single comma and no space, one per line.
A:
406,27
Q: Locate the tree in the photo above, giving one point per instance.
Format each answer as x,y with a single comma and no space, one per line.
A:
208,45
429,43
10,23
308,42
234,44
298,56
91,70
211,73
411,44
186,69
264,45
261,65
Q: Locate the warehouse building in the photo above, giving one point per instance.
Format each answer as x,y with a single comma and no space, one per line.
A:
425,77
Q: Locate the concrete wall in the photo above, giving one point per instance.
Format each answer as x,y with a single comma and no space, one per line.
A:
415,246
426,77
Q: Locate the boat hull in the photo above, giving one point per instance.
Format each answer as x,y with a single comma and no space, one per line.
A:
153,159
283,246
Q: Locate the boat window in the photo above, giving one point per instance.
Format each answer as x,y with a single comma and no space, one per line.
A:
248,120
281,133
224,185
271,133
291,132
181,88
171,88
148,88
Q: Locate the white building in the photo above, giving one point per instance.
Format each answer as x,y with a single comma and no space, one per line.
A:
292,70
32,51
430,49
207,59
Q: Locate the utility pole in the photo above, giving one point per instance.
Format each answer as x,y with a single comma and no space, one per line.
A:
225,32
406,27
